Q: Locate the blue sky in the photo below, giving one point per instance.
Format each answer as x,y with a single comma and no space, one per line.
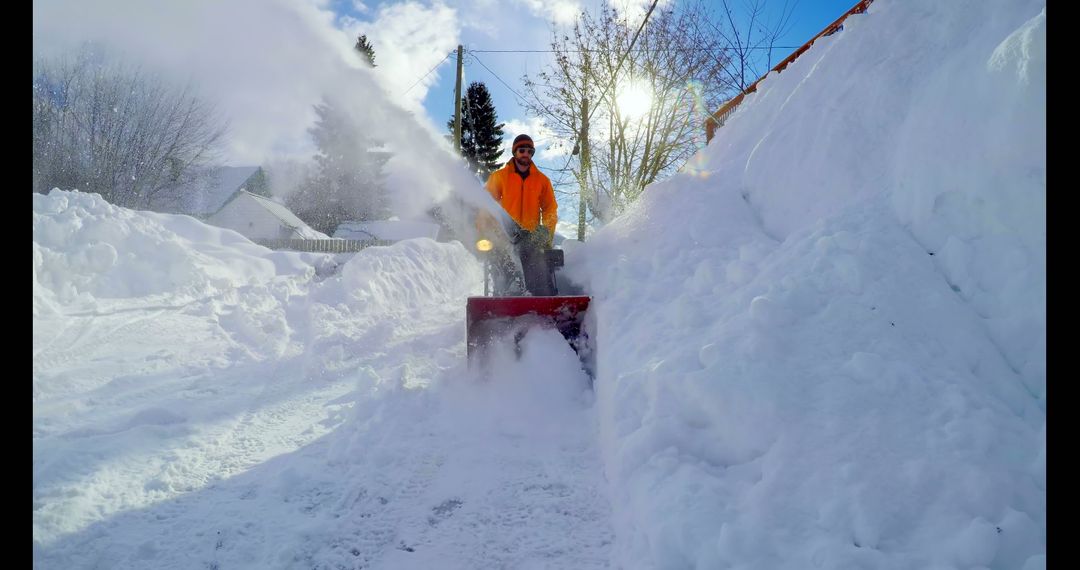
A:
502,72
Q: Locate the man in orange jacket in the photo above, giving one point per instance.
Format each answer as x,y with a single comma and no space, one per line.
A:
527,195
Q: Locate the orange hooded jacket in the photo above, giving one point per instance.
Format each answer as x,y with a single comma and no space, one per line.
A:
529,201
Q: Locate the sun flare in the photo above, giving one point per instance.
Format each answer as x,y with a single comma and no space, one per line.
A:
634,100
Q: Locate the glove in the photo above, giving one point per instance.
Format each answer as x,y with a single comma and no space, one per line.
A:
518,234
542,236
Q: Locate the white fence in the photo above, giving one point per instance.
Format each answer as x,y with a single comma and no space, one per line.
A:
321,245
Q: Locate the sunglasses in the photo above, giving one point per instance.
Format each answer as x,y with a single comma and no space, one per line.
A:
527,149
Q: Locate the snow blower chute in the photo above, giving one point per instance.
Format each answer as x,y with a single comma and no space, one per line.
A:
505,311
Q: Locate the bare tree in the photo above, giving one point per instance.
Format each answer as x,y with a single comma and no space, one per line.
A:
128,136
748,33
685,57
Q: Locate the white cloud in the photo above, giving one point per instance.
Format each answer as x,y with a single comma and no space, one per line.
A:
559,11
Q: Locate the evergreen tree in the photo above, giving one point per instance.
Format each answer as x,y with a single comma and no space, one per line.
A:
348,179
366,49
481,135
258,183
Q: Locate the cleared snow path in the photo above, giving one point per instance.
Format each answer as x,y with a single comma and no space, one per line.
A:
500,472
189,435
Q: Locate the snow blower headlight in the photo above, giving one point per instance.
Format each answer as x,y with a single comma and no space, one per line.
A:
483,245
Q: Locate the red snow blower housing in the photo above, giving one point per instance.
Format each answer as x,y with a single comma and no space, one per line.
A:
506,310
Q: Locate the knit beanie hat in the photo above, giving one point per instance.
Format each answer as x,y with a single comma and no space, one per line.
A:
521,140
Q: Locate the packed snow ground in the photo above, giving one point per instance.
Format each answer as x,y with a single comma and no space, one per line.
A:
822,345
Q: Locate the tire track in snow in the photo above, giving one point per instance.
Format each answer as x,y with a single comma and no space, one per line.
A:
72,342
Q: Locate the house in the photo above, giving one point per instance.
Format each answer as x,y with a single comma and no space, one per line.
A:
235,197
260,218
210,191
386,230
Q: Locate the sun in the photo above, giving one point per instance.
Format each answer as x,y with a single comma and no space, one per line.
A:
634,100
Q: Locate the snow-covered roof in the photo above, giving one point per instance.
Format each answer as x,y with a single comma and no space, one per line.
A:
389,230
208,193
289,219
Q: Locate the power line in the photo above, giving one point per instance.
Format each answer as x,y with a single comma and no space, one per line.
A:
497,76
521,99
630,51
428,73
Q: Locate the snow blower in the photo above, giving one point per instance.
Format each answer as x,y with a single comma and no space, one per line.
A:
506,311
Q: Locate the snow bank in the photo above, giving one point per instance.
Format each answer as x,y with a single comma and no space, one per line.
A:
86,248
823,345
190,355
943,110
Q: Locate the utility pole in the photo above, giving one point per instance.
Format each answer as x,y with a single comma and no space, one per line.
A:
457,102
584,165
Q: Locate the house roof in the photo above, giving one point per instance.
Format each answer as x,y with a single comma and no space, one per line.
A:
208,193
288,219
